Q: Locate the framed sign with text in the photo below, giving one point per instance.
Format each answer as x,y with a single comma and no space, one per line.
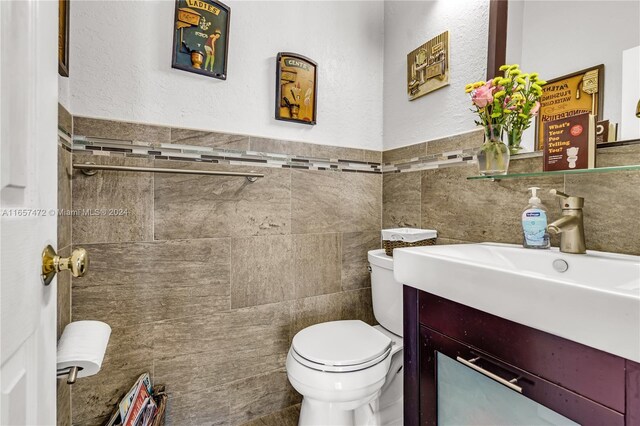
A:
201,37
296,85
570,95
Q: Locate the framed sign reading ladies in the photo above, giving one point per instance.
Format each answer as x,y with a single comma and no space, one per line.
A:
296,83
201,37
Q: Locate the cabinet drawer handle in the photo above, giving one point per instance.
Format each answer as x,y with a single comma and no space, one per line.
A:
508,383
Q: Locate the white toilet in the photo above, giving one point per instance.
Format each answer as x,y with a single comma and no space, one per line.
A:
348,372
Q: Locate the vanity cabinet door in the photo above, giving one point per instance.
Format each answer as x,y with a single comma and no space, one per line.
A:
594,374
460,384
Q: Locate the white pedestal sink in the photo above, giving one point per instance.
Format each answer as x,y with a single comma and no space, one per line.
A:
595,301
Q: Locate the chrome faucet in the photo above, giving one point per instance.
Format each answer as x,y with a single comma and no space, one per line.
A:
570,226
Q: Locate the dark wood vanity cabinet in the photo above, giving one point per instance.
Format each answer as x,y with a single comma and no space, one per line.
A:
585,385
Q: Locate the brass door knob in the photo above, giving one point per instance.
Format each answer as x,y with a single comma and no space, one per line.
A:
77,263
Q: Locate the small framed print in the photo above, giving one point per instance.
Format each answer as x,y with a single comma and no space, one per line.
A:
201,37
428,67
296,88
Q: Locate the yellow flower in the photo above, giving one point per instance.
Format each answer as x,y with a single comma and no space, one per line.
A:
536,87
520,80
534,76
478,84
496,80
519,88
504,67
468,89
499,94
523,116
515,72
514,66
504,81
541,82
508,111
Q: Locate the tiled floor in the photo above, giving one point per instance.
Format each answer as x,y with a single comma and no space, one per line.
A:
287,417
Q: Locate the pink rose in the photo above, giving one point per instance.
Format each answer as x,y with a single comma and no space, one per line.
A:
508,105
483,95
535,109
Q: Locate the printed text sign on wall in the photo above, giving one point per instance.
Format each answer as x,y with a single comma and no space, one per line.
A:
570,95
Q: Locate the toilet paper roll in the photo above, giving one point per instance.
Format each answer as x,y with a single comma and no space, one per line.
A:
83,344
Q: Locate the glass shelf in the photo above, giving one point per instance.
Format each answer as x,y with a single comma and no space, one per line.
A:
558,172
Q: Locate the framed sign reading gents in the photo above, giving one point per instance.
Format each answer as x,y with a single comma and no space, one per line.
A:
570,95
201,37
296,84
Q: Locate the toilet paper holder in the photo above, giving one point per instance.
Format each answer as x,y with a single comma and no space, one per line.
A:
81,349
70,372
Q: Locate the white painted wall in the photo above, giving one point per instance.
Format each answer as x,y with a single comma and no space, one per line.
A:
629,123
120,60
407,25
556,38
63,92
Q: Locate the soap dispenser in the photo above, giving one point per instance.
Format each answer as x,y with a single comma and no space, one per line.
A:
534,223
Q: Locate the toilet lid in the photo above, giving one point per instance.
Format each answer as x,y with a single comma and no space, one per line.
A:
341,343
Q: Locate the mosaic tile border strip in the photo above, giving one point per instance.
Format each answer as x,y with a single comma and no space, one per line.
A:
433,161
178,152
64,140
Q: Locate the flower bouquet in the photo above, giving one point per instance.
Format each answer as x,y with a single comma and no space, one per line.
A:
506,103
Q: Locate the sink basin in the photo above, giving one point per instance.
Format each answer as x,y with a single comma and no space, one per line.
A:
595,301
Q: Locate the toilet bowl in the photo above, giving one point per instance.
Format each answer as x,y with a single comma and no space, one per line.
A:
348,372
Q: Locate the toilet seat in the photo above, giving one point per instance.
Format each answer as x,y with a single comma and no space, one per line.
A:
339,368
340,346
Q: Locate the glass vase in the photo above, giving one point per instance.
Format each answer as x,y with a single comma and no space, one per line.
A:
493,155
514,139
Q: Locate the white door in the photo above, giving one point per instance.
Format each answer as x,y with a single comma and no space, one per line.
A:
28,191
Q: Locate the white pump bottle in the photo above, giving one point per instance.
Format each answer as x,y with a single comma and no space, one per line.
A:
534,223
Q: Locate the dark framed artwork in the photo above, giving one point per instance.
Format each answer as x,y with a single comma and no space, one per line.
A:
296,88
63,38
201,37
569,95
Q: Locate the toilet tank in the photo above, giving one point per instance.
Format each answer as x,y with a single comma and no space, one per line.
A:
386,292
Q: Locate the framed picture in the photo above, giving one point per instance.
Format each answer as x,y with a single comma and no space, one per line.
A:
63,38
296,88
428,67
570,95
201,37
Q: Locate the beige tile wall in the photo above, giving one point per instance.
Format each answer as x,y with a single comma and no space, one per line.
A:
477,211
207,279
65,123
